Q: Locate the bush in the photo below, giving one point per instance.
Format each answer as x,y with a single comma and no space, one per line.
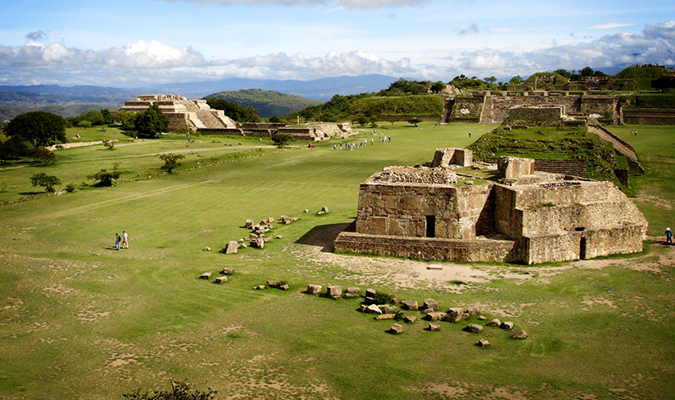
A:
105,178
170,160
282,139
43,156
70,188
382,298
46,181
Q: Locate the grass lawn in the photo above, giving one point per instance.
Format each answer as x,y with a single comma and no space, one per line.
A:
81,320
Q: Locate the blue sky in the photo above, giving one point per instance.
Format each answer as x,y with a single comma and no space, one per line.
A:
129,43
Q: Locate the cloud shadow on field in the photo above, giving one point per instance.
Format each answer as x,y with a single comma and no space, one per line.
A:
324,235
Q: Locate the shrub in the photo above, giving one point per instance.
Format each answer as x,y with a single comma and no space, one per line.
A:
105,178
170,160
382,298
43,156
70,188
109,144
282,139
46,181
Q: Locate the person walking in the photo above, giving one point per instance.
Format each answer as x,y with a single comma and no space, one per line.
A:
669,236
125,240
118,239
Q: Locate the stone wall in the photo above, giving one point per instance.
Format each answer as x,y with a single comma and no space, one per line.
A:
565,167
515,167
407,209
540,112
648,116
429,248
452,156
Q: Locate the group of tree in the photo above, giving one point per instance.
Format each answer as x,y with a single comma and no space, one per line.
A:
91,118
38,129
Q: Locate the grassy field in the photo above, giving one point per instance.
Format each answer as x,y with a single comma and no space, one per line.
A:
80,320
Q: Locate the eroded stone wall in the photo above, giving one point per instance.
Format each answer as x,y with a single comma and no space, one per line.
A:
429,248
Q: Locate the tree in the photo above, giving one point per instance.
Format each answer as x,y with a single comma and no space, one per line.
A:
362,120
414,121
564,73
516,80
43,156
586,72
274,119
282,139
13,149
170,160
108,118
95,117
183,129
664,82
39,128
437,87
46,181
105,177
151,121
490,79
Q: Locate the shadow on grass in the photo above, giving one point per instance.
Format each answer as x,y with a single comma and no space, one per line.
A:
31,193
324,235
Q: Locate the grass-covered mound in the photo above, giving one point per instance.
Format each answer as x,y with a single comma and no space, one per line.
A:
552,143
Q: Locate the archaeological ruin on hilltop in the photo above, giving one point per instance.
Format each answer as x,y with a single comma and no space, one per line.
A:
550,108
433,211
199,116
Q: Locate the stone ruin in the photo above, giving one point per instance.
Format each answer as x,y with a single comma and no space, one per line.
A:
434,212
196,114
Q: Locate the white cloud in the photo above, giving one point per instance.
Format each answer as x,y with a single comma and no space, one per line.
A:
153,61
655,44
610,25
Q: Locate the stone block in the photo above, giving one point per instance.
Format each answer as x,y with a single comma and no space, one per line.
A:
314,289
410,305
334,291
430,304
396,329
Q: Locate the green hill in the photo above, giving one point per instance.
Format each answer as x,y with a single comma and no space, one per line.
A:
267,102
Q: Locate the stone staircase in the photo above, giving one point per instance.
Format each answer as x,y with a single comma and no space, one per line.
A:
620,146
205,117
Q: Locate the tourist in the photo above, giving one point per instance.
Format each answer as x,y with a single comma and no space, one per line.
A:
118,239
669,236
469,134
125,240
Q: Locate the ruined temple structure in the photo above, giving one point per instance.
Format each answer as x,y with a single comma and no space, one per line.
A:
435,212
196,114
552,108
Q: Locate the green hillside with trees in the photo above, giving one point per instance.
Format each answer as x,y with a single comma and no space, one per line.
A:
267,102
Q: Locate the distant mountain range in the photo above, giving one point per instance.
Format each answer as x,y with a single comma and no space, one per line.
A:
72,101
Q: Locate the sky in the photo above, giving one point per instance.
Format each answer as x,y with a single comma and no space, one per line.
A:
132,43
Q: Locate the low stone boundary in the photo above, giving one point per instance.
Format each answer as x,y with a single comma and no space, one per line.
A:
648,116
489,250
72,145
